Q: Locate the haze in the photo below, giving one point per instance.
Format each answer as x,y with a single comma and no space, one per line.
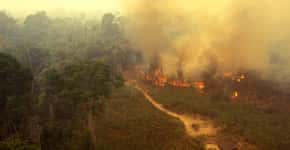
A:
19,7
144,74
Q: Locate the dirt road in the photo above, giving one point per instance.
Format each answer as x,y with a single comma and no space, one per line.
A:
194,126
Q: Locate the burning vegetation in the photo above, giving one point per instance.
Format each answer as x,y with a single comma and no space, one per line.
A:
159,79
221,50
242,86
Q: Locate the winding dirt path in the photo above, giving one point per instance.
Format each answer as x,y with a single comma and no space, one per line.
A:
194,126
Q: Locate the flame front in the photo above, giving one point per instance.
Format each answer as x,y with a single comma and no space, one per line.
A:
199,85
179,83
157,78
160,80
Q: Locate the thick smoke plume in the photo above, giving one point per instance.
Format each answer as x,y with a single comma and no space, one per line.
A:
191,35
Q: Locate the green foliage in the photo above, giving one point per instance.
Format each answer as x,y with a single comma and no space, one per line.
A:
110,26
16,144
119,81
15,82
32,57
67,90
7,26
79,81
70,92
69,87
37,26
15,95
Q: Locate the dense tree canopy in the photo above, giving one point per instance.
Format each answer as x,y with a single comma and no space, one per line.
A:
56,74
80,80
37,27
15,96
8,29
15,80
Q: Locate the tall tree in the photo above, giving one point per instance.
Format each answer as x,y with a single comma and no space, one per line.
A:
8,29
70,91
37,26
15,89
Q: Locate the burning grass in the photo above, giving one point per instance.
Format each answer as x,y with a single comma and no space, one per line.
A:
160,80
245,105
232,86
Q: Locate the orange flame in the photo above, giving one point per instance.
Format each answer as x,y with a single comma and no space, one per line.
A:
235,95
157,78
179,83
199,85
243,77
160,80
228,74
240,78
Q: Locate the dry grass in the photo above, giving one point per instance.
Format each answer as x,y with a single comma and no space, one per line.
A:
266,129
131,123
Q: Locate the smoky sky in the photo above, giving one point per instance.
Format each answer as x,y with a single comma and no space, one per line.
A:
236,34
19,7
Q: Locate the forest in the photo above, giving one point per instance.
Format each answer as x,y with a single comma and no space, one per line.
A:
56,74
156,75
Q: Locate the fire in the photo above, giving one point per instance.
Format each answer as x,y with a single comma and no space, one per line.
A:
240,78
157,78
179,83
237,86
160,80
243,77
228,74
237,78
199,85
236,94
234,76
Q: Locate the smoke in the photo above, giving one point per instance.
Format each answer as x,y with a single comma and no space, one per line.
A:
191,35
